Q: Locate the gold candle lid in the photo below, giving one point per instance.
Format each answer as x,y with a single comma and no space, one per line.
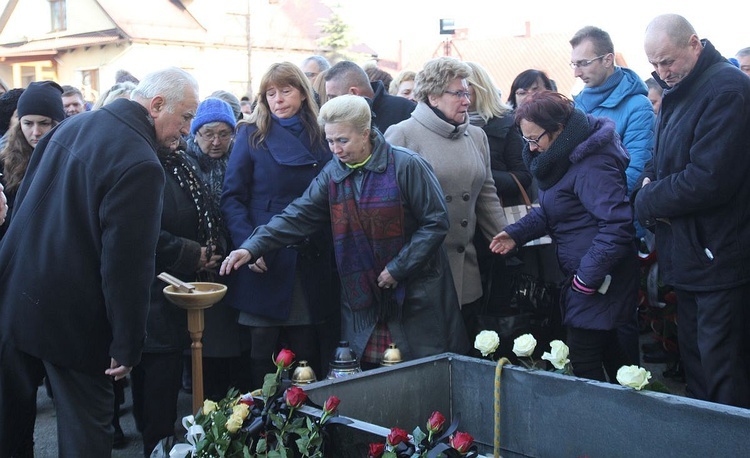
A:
303,374
391,356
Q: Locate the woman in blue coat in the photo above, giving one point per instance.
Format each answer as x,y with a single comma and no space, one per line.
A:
276,155
579,163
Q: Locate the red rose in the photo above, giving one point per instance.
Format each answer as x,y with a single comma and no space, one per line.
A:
436,422
376,450
331,405
397,435
247,398
285,359
462,442
295,396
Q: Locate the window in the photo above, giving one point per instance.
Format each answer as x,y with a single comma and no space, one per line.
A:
58,16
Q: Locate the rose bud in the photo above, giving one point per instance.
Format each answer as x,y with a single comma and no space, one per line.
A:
461,442
376,450
331,405
295,397
436,422
247,399
285,359
396,436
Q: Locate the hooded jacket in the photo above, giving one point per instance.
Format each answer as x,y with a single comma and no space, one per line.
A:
589,217
623,98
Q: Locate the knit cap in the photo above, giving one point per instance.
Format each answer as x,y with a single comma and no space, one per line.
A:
42,98
212,110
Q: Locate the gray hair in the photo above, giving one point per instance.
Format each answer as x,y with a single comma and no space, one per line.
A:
231,99
322,62
170,83
436,75
743,52
117,91
349,109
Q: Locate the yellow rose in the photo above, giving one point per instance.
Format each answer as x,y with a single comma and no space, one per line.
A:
559,355
242,410
209,406
234,423
633,376
486,342
524,345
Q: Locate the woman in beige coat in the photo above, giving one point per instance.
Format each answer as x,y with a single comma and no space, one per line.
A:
439,130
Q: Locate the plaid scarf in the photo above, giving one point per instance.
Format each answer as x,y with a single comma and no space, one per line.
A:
366,236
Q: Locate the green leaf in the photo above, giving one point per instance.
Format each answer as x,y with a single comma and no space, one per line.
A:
657,386
262,445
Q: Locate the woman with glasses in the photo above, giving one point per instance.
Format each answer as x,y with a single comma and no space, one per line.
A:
439,130
283,295
528,82
580,164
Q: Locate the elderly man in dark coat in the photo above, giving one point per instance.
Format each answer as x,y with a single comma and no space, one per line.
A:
78,259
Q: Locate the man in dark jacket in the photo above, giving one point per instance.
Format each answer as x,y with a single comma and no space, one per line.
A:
78,259
346,77
695,193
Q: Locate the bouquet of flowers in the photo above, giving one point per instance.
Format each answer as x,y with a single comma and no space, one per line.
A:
269,424
438,441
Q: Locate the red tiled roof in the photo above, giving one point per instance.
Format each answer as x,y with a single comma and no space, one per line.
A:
505,57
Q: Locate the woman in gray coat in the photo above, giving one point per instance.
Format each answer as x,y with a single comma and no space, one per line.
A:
388,220
459,153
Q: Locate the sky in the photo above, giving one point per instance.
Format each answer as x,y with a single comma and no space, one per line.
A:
383,23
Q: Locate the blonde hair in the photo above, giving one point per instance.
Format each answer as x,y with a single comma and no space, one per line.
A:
348,109
487,100
406,75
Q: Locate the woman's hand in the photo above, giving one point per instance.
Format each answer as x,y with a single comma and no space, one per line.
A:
502,243
386,280
3,206
259,266
209,263
235,260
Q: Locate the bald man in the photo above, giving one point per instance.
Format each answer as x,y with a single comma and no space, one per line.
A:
694,196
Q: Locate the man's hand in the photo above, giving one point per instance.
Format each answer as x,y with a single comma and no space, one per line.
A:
116,370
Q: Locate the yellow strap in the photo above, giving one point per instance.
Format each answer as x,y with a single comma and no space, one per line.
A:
498,372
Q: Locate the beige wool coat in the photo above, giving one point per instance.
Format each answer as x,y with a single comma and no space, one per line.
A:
460,157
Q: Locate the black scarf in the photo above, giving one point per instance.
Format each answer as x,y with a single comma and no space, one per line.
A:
186,176
548,167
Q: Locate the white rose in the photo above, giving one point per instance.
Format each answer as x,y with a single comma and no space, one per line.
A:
633,376
559,355
524,345
486,342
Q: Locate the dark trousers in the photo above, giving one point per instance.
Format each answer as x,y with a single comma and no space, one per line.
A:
713,331
83,404
267,341
595,354
156,382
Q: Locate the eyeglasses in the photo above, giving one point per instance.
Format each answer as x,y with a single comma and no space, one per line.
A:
211,136
536,140
459,94
586,63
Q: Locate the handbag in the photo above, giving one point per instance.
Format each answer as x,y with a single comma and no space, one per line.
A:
513,213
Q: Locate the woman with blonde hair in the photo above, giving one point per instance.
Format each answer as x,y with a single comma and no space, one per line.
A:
386,213
403,85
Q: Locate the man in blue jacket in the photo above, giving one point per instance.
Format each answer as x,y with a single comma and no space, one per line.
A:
617,93
695,193
78,259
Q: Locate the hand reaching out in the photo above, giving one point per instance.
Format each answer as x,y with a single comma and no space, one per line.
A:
502,243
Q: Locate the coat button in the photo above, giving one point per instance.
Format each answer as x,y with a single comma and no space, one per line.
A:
315,164
466,197
464,222
461,249
448,198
